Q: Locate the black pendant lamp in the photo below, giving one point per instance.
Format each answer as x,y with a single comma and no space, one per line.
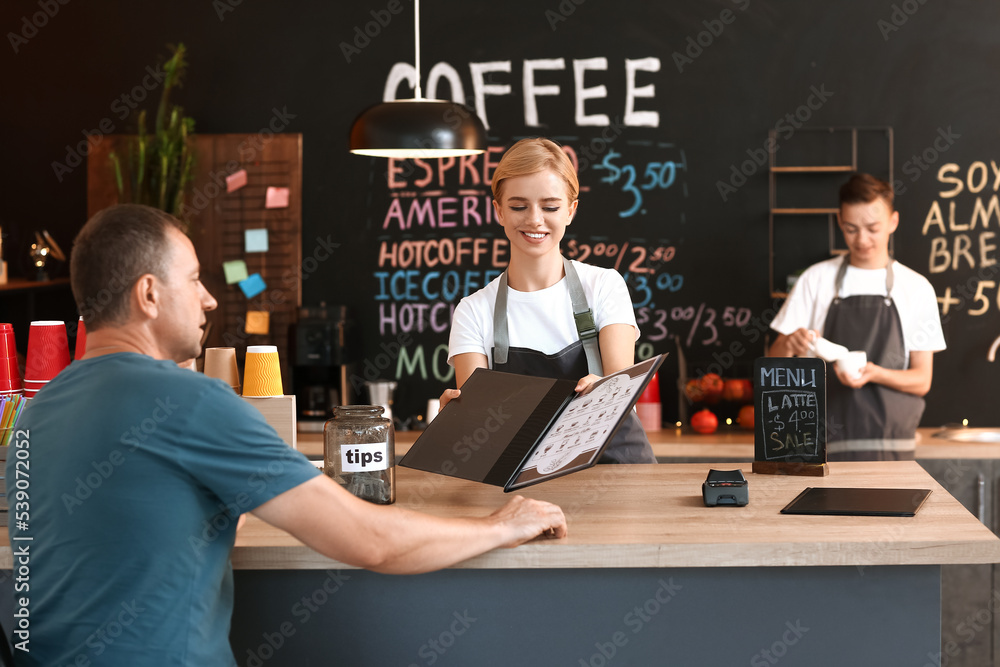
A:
418,127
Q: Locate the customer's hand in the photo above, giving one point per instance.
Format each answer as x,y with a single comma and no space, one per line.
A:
527,519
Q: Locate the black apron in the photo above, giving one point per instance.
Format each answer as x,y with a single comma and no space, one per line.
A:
576,360
875,422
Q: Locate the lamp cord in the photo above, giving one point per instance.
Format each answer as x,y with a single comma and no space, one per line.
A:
416,41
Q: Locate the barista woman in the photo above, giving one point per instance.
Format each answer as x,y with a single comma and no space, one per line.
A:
533,319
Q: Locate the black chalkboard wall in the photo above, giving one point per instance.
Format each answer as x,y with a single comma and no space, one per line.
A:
661,104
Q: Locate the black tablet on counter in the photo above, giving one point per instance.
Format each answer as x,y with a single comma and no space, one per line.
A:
857,502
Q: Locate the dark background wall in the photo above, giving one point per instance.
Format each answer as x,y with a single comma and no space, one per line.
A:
925,69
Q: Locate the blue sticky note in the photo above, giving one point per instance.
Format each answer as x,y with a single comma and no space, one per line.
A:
253,286
255,240
235,271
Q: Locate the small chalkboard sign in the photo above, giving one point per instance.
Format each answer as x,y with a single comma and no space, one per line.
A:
790,412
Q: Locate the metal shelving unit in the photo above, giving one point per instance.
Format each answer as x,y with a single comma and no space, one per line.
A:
775,170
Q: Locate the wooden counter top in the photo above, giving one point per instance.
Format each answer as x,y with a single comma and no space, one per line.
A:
653,516
723,445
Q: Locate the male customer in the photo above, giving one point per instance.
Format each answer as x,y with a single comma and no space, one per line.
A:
139,471
867,301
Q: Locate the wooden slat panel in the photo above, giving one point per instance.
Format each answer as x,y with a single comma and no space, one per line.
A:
218,220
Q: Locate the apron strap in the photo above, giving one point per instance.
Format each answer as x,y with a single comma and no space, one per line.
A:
582,315
888,281
501,337
842,271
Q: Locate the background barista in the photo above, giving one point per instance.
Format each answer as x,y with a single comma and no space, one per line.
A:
867,301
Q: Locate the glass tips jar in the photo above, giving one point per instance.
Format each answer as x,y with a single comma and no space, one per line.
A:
359,452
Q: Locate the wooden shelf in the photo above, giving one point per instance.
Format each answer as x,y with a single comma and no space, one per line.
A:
832,168
816,158
21,284
803,211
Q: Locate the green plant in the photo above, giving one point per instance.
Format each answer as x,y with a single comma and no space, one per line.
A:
159,165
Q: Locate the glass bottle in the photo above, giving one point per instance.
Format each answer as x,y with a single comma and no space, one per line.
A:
359,452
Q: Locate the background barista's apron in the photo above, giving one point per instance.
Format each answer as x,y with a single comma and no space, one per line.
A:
875,422
574,361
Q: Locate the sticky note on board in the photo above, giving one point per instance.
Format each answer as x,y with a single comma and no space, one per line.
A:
255,240
236,180
276,198
235,271
253,286
258,322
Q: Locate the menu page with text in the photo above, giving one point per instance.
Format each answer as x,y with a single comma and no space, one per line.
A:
578,435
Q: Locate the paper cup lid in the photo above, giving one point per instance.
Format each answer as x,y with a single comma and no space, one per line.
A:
261,349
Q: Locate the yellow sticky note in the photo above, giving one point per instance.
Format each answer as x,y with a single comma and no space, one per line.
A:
258,322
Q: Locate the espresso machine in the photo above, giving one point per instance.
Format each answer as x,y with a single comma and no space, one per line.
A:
321,341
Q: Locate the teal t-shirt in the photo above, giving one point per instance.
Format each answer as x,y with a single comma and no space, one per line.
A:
138,471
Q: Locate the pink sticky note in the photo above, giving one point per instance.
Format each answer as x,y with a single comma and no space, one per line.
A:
277,198
236,180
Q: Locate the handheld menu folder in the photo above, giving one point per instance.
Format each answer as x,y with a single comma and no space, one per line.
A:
516,430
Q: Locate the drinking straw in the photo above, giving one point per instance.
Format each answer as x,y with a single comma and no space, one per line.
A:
9,408
5,405
18,404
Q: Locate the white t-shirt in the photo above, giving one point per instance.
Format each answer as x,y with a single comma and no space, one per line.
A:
913,295
540,320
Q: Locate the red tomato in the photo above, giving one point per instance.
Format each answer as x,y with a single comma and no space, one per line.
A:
712,386
735,391
704,421
745,418
693,391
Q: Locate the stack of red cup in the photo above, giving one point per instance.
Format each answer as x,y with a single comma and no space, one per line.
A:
81,340
48,353
648,408
10,376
